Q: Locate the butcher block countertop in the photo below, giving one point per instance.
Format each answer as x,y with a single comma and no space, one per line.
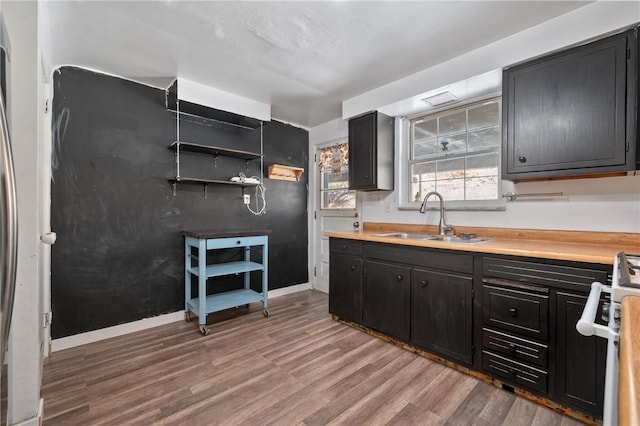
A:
629,382
590,247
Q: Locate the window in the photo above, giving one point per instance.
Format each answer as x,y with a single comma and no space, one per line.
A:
457,153
334,178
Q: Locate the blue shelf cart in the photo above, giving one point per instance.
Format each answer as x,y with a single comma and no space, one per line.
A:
196,265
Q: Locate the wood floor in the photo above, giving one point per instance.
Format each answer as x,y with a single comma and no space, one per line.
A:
297,367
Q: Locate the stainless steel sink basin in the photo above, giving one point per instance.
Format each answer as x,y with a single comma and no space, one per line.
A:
456,239
432,237
405,235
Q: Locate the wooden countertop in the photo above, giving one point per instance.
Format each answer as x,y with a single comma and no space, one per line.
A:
590,247
629,379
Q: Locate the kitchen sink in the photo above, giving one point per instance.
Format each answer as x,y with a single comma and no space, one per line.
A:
405,235
457,239
462,238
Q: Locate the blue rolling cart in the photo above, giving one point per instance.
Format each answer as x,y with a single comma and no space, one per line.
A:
196,264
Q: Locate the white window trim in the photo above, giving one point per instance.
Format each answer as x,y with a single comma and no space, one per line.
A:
403,155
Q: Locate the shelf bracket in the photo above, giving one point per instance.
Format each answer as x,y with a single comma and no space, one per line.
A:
206,185
175,185
215,160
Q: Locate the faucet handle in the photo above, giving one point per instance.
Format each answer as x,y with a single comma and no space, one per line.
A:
448,229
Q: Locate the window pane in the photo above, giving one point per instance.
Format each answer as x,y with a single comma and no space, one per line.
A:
482,165
484,115
453,144
425,148
484,138
453,123
338,199
450,169
423,177
426,129
451,189
335,180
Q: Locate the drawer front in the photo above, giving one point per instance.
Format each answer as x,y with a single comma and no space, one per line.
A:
514,372
515,310
352,247
218,243
515,347
419,256
539,273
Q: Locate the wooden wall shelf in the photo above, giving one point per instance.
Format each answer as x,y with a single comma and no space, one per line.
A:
278,171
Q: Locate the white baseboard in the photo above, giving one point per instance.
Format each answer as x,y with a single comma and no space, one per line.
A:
143,324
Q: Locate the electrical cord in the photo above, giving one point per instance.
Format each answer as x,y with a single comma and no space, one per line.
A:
259,195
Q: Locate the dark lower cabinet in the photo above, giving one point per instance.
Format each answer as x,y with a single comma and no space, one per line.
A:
441,307
580,359
345,287
387,290
522,316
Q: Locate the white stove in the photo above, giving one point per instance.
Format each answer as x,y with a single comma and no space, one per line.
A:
625,282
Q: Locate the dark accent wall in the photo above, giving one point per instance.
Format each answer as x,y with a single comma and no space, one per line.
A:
119,256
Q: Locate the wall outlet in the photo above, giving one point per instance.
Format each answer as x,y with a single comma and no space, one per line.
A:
247,199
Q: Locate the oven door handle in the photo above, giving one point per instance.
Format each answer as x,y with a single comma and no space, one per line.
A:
587,324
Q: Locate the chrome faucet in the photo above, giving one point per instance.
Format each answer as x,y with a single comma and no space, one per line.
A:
443,228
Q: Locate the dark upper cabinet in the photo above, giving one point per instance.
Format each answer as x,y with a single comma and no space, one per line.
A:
441,307
572,112
371,152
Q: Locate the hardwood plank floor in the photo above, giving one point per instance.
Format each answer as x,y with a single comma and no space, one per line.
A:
297,367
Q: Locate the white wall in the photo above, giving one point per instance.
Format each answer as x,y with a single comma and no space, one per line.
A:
604,204
25,362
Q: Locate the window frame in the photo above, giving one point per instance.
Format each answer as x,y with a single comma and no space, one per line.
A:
403,154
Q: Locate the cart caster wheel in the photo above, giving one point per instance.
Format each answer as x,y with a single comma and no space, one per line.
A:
265,312
204,330
187,316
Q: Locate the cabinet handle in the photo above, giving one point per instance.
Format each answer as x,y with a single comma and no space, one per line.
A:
344,247
513,312
522,159
366,176
424,283
399,277
353,268
238,242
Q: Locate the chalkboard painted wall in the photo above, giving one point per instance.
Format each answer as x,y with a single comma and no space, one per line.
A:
119,253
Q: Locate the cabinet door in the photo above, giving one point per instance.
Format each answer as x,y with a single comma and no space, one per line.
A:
345,287
580,359
441,306
387,288
362,152
566,113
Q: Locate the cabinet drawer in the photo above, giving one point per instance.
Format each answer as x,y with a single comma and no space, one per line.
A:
516,310
352,247
514,372
538,273
515,347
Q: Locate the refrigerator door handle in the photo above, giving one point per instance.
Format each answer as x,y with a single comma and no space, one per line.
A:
8,232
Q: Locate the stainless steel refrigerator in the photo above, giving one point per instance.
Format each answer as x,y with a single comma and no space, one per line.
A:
8,223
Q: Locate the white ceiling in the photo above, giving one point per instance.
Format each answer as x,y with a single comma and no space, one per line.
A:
303,58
